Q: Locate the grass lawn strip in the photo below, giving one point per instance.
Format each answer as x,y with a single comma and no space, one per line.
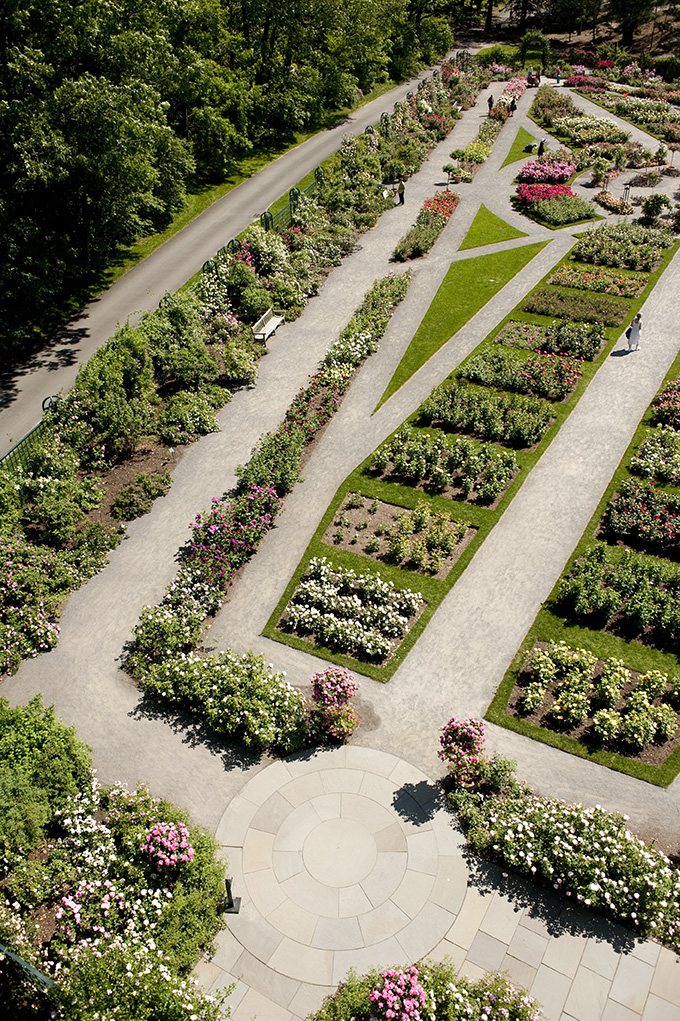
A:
363,481
550,625
466,288
518,147
487,229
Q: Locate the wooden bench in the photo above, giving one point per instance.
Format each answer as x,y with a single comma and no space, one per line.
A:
267,324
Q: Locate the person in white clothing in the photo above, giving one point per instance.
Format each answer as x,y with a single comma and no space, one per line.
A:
633,333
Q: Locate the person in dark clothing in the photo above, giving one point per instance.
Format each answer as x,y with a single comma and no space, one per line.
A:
401,188
489,103
541,147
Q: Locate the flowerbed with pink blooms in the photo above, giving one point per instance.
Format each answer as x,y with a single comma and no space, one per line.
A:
426,991
546,170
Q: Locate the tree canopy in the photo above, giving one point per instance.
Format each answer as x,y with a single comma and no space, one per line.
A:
110,108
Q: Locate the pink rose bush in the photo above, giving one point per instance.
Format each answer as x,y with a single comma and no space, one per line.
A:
527,194
400,996
167,845
332,690
546,170
461,746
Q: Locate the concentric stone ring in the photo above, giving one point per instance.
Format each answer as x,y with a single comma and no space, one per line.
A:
345,858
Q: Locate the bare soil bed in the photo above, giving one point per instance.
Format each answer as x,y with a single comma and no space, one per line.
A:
369,525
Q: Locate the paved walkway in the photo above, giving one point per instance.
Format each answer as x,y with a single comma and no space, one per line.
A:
401,888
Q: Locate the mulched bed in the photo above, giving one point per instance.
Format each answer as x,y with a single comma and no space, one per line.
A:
651,754
356,538
150,456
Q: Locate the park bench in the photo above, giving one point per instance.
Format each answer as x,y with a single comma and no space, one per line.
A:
267,324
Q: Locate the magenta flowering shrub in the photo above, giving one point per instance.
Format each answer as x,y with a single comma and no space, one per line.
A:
530,193
333,687
229,533
331,691
167,845
461,747
546,170
400,996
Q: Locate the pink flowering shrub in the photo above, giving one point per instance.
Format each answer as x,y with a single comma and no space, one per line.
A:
461,746
167,845
332,690
546,170
400,996
333,687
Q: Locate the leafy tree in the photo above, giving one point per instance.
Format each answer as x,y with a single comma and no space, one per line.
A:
629,15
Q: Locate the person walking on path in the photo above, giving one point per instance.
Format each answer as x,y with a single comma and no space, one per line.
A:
489,103
513,105
401,188
541,147
557,75
633,333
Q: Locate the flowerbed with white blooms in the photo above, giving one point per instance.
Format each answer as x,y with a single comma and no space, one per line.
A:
587,855
361,614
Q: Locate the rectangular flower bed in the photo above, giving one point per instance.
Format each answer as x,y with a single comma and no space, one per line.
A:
359,614
602,281
458,467
628,245
552,376
422,540
512,419
599,702
586,308
585,340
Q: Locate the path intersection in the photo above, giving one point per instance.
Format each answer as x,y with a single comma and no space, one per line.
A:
347,857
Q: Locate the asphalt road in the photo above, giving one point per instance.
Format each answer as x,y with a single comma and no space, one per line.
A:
54,369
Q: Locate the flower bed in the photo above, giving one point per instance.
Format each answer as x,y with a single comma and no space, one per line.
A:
613,204
546,170
361,614
658,457
429,989
585,130
472,469
218,689
645,517
564,337
602,281
423,540
514,420
599,702
628,245
631,595
430,222
527,194
586,855
666,407
552,376
111,893
585,308
558,212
